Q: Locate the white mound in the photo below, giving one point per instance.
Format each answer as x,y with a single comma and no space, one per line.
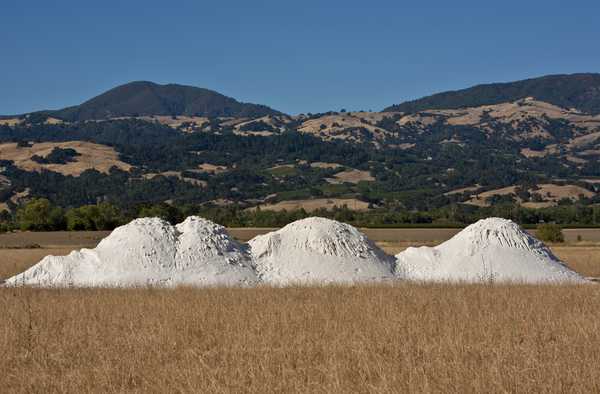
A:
150,251
491,250
317,250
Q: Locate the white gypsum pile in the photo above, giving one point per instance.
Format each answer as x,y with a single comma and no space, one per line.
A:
491,250
318,250
149,251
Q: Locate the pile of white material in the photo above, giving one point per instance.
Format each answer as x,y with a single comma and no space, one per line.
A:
146,252
320,251
491,250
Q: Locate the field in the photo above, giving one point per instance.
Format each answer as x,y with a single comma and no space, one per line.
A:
91,156
407,338
550,194
315,203
400,338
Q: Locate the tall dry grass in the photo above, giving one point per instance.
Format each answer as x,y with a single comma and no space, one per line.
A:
405,338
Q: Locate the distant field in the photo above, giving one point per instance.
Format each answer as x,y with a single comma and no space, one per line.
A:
18,251
310,205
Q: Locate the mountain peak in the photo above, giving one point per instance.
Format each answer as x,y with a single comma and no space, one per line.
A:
140,98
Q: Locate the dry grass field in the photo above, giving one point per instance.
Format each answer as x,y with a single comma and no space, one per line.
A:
401,338
91,156
314,204
406,338
354,176
550,194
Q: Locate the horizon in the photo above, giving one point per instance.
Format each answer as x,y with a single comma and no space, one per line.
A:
295,59
293,114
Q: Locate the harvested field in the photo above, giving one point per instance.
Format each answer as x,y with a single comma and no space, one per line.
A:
405,338
211,168
354,176
533,153
317,203
91,156
52,239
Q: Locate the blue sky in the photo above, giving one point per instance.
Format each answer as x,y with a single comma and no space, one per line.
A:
301,56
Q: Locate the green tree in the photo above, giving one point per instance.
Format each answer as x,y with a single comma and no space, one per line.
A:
40,215
549,232
163,211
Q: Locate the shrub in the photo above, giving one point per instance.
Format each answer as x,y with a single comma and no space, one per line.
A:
550,233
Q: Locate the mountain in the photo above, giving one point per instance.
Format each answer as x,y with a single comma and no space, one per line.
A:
578,91
535,143
147,98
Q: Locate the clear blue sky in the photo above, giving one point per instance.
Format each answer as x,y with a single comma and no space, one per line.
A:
295,56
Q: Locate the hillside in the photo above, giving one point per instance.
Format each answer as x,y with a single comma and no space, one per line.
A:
579,91
147,98
178,145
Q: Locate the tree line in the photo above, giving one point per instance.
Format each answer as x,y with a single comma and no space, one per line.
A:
41,215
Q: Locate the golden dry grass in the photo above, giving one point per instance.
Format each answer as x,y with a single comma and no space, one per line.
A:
551,194
336,126
15,261
91,156
583,259
406,338
354,176
211,168
10,122
310,205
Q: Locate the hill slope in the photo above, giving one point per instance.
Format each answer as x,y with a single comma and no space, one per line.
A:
580,91
148,98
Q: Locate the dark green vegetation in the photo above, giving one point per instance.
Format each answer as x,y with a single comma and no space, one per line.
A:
549,232
580,91
146,98
409,180
41,215
411,185
57,156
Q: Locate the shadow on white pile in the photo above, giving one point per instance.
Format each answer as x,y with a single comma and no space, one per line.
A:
491,250
150,252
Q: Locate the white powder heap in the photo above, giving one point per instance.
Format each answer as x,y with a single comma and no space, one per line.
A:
150,251
491,250
317,250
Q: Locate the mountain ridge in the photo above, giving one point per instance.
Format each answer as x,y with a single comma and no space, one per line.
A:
580,91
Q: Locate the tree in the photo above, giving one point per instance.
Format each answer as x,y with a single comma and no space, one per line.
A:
103,216
40,215
163,211
549,232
